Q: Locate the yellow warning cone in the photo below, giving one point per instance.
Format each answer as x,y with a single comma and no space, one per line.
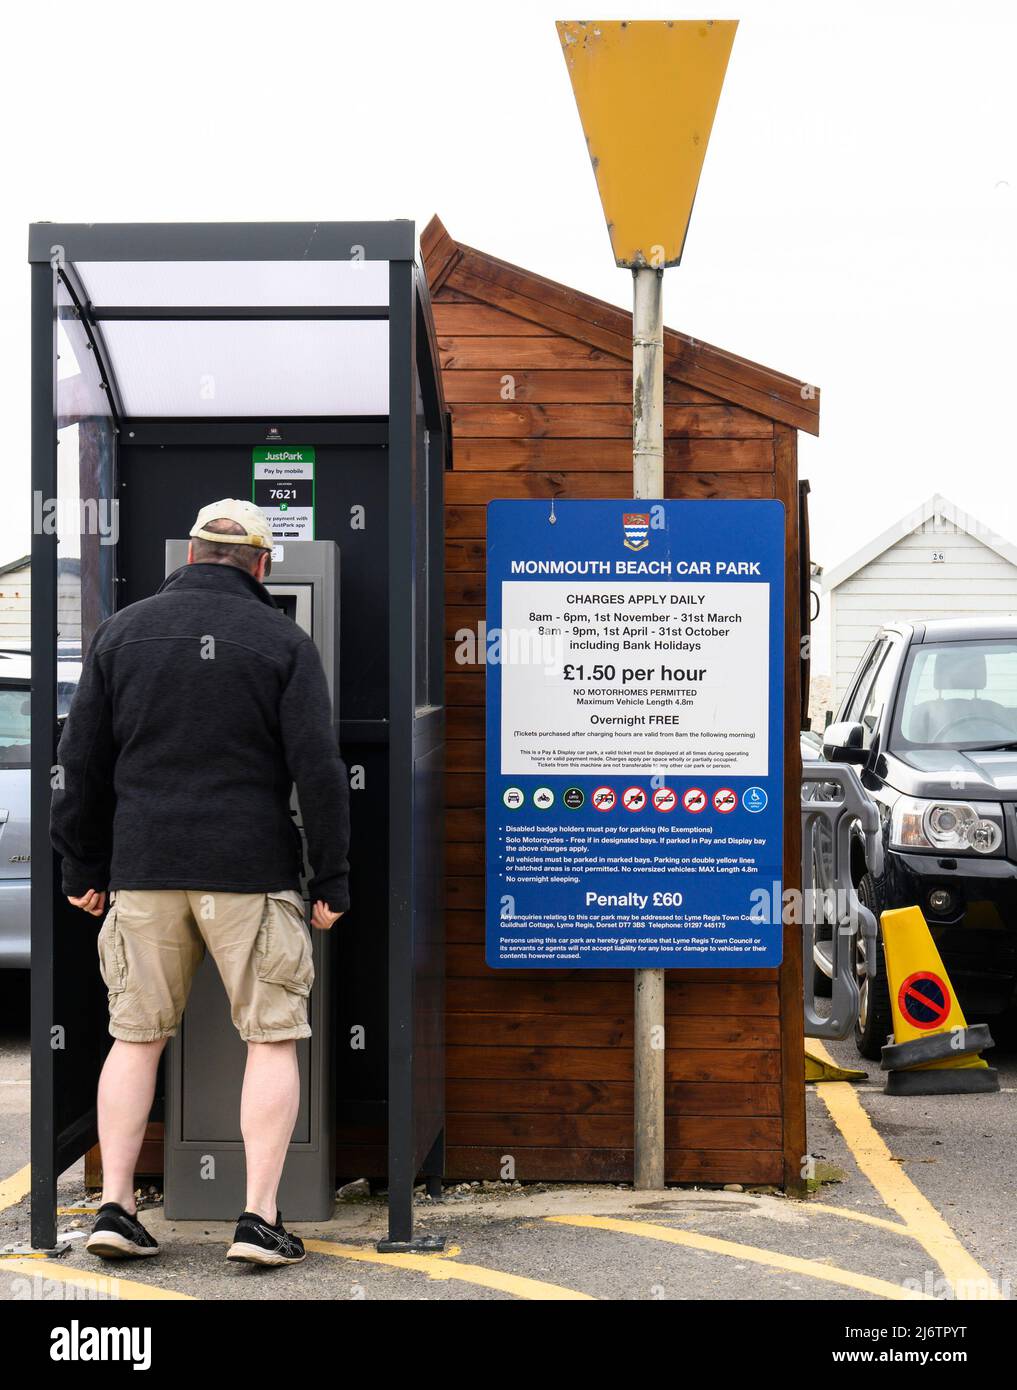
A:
934,1050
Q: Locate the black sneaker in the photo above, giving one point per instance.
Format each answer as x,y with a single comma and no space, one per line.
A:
261,1244
117,1236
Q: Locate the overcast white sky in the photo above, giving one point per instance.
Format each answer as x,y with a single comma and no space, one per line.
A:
855,223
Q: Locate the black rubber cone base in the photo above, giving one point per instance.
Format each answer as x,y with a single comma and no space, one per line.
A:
943,1081
936,1046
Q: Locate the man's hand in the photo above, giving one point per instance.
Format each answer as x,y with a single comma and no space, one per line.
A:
323,917
93,903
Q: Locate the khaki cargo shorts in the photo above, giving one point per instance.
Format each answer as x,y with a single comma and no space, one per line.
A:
152,942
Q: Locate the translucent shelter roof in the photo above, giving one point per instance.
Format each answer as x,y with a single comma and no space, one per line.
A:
234,320
268,367
227,284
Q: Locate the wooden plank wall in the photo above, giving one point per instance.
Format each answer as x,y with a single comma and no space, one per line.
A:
539,1064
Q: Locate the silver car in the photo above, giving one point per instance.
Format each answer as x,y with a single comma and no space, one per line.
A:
15,796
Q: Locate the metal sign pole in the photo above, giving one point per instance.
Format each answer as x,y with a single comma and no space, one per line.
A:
648,481
647,93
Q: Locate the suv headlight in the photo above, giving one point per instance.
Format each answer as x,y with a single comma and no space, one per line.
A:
954,827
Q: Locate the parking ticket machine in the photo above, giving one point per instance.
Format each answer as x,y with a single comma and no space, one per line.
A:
204,1152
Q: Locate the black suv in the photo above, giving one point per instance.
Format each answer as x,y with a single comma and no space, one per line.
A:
930,720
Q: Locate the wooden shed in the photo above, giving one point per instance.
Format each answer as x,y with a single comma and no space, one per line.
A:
537,377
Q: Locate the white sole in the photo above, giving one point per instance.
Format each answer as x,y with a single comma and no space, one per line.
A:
110,1245
254,1254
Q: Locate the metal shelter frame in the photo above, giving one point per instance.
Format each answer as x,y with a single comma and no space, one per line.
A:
65,1054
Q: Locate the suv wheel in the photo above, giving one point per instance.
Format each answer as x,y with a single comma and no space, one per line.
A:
875,1017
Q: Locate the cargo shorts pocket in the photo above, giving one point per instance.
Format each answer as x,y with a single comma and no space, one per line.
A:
112,955
283,954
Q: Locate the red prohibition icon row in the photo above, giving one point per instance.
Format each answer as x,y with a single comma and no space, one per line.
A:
665,799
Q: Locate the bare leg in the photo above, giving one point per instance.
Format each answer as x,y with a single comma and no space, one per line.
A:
126,1090
268,1112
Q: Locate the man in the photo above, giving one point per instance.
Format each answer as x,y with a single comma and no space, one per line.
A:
198,711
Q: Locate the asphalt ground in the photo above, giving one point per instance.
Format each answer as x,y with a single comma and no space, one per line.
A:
913,1200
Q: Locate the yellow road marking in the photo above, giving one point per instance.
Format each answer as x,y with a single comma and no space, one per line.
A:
98,1284
515,1284
775,1259
15,1187
966,1276
898,1227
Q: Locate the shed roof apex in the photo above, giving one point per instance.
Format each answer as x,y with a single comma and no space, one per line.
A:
936,505
608,328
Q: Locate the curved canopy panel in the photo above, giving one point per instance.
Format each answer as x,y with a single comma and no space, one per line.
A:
233,320
264,367
210,284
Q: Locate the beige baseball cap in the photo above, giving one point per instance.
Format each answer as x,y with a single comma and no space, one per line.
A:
257,530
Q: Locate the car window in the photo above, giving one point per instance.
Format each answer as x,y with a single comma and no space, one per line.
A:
879,692
854,707
15,727
959,695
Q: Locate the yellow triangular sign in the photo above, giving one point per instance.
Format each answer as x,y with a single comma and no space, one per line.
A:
647,93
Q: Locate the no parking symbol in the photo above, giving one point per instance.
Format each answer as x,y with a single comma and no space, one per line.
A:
924,1000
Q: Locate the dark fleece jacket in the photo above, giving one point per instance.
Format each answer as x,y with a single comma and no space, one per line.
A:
198,711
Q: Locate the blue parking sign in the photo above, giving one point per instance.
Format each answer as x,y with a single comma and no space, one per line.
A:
635,675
